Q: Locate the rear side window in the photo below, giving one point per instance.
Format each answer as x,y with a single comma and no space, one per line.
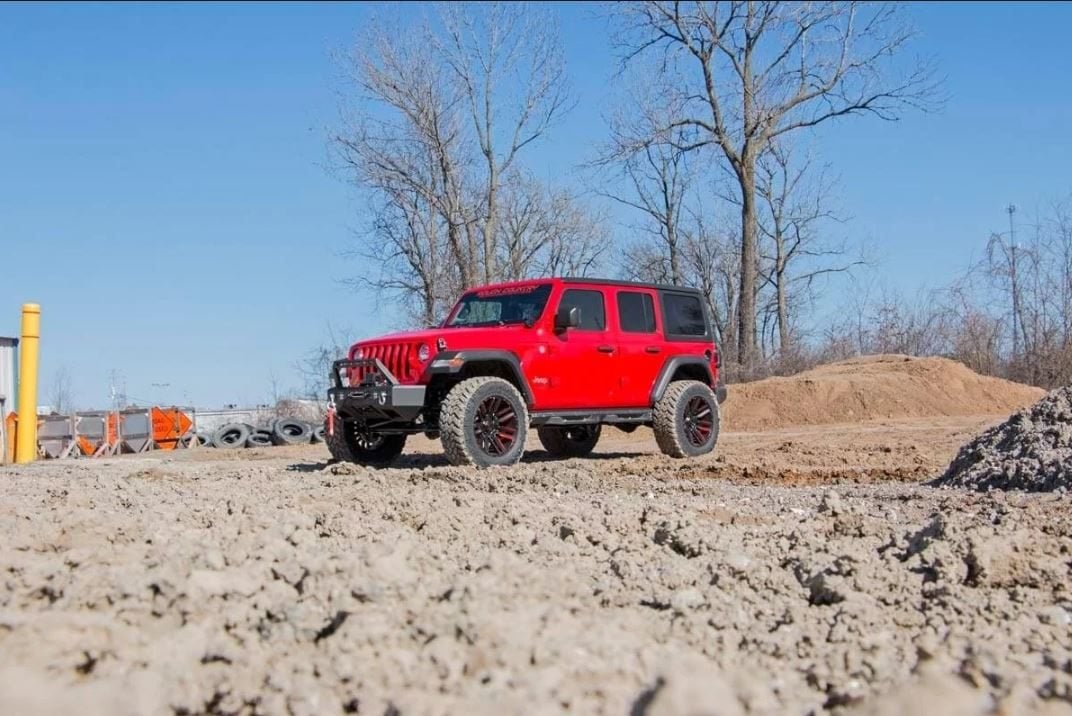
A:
590,304
683,315
636,312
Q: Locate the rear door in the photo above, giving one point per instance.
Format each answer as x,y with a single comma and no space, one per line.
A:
640,345
582,361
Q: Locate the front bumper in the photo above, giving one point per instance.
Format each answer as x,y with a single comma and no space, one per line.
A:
378,395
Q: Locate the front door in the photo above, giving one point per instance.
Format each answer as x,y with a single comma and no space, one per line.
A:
582,361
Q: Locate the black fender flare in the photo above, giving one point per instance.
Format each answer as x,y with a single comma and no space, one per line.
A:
453,362
662,382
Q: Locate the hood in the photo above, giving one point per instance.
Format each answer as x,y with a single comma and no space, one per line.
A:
427,335
457,338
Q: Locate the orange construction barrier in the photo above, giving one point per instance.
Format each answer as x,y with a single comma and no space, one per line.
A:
169,427
11,423
11,429
98,432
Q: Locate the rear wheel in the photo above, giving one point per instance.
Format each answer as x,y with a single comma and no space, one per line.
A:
686,419
570,440
483,422
352,442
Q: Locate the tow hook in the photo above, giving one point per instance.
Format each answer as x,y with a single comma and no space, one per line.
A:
331,419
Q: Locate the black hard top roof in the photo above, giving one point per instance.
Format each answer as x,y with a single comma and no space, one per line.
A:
638,284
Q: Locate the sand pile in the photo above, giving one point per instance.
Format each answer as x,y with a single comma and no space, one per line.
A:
1032,450
872,388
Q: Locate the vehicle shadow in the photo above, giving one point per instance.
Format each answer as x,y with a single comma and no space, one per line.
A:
419,461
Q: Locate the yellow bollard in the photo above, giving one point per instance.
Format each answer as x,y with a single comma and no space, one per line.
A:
26,436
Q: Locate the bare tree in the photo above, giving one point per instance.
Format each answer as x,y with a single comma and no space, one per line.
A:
712,262
795,210
644,261
745,73
1005,263
656,187
1024,283
546,232
1060,227
434,142
975,335
60,394
404,146
677,242
315,366
507,60
648,173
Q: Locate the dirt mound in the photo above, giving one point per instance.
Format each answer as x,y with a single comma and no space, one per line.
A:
872,388
1032,450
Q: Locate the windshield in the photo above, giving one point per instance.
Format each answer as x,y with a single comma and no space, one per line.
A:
499,306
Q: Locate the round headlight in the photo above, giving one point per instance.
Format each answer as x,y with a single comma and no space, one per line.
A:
424,353
359,354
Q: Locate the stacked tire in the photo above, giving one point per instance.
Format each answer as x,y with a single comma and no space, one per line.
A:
288,431
279,431
232,435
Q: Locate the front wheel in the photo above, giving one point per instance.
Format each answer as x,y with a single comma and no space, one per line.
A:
686,419
353,443
483,422
570,440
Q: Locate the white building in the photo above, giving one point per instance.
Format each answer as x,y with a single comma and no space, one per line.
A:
8,350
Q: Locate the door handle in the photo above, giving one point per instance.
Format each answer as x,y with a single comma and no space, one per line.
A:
653,349
605,349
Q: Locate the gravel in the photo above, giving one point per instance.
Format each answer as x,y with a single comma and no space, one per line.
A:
292,586
1032,451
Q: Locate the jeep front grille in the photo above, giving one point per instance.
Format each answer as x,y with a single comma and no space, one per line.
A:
395,357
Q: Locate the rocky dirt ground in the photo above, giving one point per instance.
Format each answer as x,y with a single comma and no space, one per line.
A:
799,570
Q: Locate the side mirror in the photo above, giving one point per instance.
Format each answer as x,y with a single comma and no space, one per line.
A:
567,318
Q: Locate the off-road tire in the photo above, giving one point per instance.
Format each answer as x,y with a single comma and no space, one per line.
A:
458,416
343,446
673,434
569,440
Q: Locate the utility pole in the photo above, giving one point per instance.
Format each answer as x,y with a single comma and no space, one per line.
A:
119,392
1016,323
159,389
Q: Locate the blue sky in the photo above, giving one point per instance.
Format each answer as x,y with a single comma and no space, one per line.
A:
163,191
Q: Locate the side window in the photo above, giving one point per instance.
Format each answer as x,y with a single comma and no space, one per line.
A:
683,315
636,312
590,304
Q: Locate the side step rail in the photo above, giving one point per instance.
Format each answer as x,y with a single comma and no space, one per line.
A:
590,417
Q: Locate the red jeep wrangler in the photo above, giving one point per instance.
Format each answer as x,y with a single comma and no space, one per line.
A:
563,355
